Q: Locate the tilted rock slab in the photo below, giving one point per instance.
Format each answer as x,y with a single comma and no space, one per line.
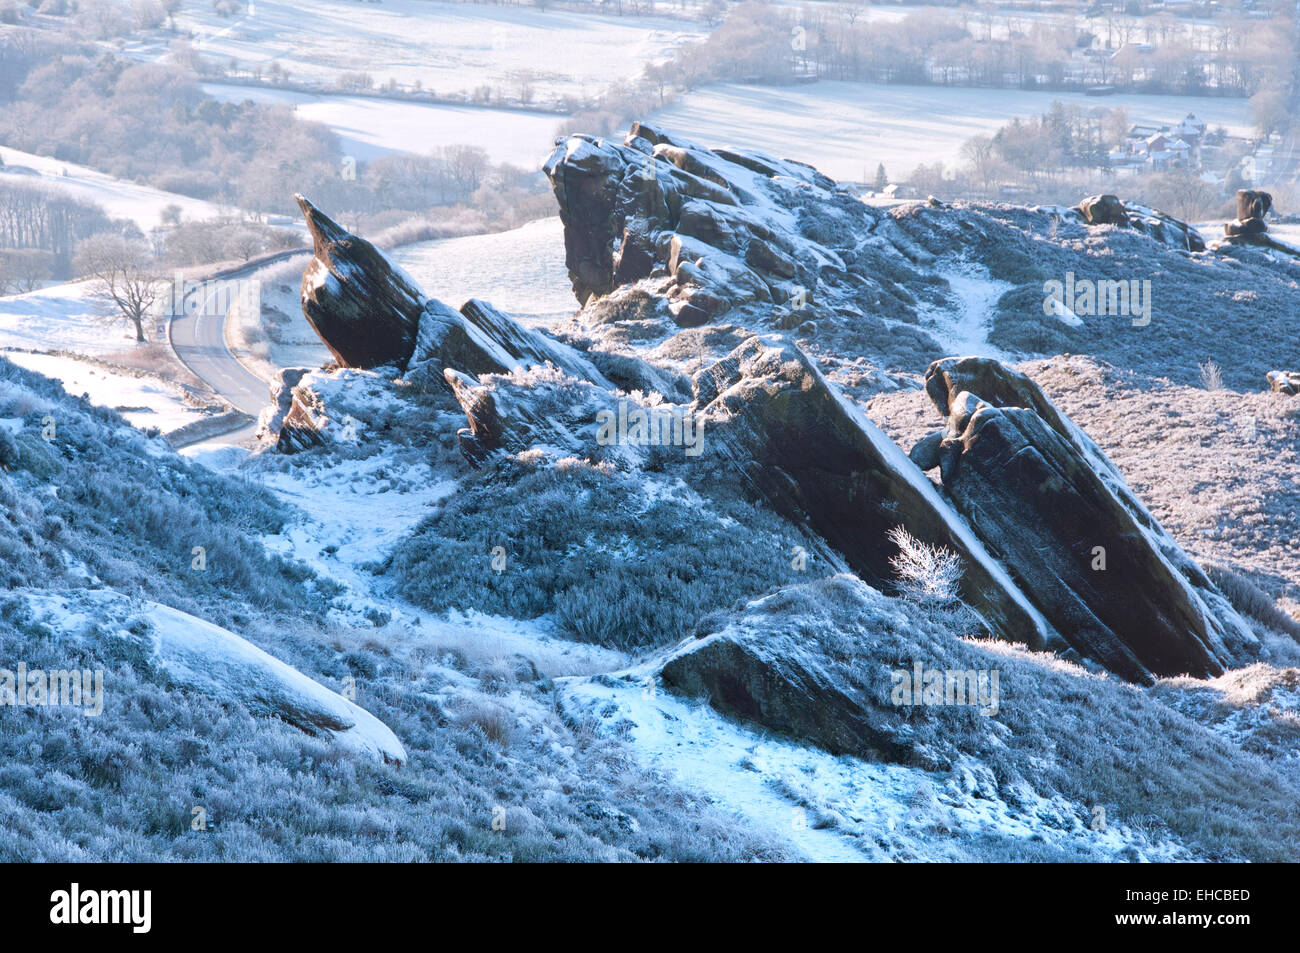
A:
370,313
365,308
820,461
1052,507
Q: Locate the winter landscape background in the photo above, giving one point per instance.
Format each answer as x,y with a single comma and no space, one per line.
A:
323,323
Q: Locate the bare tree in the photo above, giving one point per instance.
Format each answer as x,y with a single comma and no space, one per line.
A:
122,272
24,269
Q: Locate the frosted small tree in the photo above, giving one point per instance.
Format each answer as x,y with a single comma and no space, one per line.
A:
122,272
881,179
926,574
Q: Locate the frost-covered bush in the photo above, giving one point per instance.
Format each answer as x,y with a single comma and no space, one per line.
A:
618,561
927,574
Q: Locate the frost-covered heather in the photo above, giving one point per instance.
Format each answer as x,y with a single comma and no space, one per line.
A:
618,561
479,731
1064,743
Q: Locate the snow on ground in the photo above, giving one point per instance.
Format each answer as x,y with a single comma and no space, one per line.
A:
143,399
521,271
1290,234
370,127
963,329
836,809
845,129
353,513
141,204
447,47
63,317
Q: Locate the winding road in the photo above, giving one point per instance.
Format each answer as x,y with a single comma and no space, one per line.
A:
199,340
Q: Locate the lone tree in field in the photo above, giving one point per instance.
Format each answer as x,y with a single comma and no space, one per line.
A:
122,272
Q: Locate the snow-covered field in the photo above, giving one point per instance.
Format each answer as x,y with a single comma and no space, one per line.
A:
447,47
845,129
63,317
141,204
370,127
143,399
521,271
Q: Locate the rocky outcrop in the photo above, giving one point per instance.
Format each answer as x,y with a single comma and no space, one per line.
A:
796,440
542,407
1103,210
1284,382
288,421
365,308
772,683
1109,209
1049,504
719,233
1252,206
835,679
372,315
480,339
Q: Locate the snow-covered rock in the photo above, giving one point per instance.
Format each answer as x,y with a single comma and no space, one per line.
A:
1073,535
207,658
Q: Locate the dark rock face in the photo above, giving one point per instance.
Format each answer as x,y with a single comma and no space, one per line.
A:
1048,503
774,685
819,461
365,308
724,231
1249,226
1103,210
288,420
1111,210
1253,204
1284,382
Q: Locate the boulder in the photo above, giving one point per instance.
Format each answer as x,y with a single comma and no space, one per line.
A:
817,459
772,682
1109,209
1049,504
1284,382
1249,227
365,308
205,658
1253,204
1103,210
